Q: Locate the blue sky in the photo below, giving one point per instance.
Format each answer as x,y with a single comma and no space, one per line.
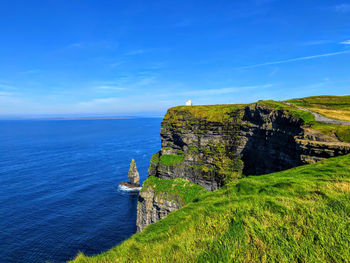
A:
141,57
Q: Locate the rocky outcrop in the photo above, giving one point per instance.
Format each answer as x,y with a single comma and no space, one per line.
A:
133,175
160,197
151,208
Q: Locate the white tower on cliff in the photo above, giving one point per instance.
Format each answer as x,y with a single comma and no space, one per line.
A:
188,103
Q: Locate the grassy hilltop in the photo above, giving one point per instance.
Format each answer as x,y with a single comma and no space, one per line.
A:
298,215
335,107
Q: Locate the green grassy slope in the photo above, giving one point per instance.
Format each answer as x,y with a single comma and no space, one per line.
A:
175,189
298,215
336,107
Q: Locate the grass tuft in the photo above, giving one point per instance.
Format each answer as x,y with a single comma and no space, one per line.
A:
171,159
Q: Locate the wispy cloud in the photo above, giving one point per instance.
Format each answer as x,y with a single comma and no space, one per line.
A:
31,71
8,97
135,52
221,91
346,42
342,8
75,45
294,60
273,72
102,44
105,87
316,42
5,94
117,64
99,101
7,87
141,51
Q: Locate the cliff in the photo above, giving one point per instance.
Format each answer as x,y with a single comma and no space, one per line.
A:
212,145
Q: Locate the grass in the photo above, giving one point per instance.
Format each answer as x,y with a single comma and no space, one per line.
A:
155,158
212,113
336,107
337,104
171,159
298,215
179,189
341,132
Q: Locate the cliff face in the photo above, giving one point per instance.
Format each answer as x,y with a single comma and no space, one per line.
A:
210,145
159,197
151,208
252,140
274,140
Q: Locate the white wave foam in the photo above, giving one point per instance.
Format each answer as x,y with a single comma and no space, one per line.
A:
129,189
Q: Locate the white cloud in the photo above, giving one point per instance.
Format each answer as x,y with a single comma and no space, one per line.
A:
294,59
343,8
346,42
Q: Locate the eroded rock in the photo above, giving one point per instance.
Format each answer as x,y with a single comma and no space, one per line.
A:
133,175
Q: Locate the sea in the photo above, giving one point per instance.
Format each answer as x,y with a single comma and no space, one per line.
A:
59,183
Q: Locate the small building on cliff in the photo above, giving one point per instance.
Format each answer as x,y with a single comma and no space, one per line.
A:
188,103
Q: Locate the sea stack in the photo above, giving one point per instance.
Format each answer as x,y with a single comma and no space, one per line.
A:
133,175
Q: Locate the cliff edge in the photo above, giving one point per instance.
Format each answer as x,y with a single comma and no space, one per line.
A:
213,145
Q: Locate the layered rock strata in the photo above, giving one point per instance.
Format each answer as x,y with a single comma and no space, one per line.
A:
256,139
151,208
210,145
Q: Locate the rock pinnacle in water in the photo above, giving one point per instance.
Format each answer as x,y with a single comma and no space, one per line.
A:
133,174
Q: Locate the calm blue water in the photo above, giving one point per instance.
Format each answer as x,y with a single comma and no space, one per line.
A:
59,185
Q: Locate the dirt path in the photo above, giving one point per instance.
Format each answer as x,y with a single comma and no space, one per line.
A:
320,118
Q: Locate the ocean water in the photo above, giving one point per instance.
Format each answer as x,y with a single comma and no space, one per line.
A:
59,185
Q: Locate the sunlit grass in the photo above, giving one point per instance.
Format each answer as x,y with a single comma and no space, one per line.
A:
343,115
298,215
171,159
336,107
179,189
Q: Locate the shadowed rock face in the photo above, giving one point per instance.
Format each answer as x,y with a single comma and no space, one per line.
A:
266,140
133,174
